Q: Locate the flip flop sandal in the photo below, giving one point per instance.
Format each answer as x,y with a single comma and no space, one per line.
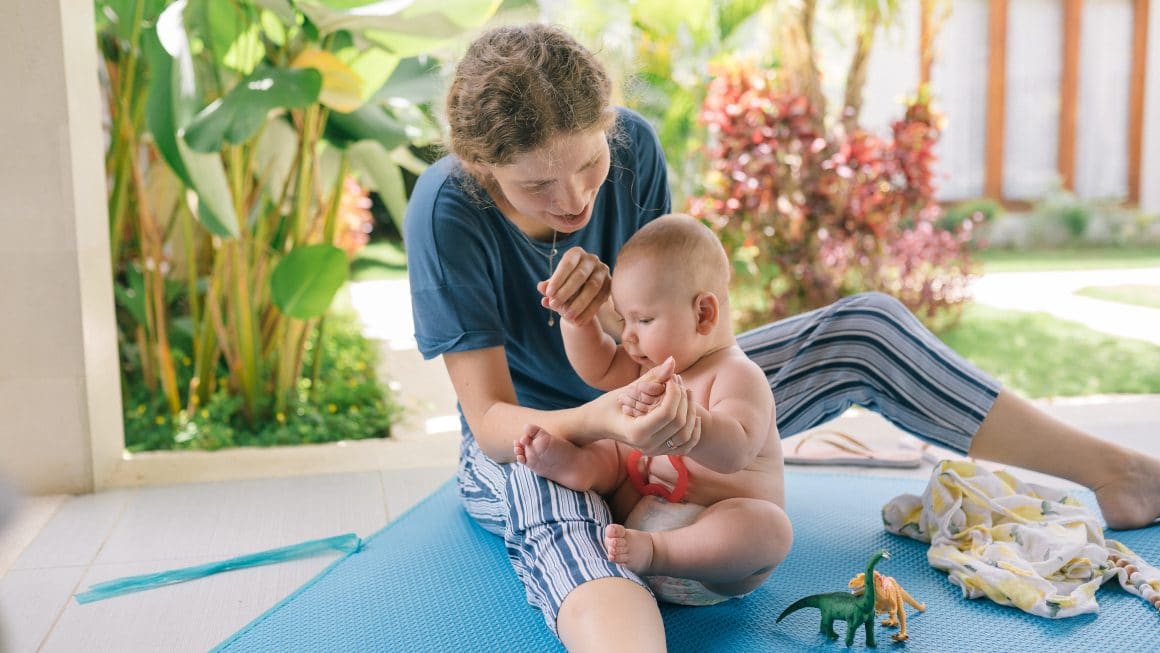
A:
838,448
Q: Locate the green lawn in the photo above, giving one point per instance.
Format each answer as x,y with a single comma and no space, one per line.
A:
1041,356
1005,260
1135,294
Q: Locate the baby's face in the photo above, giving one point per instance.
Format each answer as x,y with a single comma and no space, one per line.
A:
660,318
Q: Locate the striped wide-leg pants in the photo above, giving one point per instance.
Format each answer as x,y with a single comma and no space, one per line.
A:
866,349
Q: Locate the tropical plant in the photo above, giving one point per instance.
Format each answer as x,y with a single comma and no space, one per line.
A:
234,126
809,216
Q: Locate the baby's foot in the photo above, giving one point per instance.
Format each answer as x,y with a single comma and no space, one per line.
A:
1133,499
553,458
628,547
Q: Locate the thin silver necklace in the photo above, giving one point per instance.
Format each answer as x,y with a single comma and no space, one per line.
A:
551,256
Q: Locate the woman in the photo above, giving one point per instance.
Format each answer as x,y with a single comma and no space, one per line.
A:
546,180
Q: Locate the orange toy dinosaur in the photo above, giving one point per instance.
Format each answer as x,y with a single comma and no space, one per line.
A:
888,599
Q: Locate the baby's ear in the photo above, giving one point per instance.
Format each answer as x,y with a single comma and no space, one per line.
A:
708,311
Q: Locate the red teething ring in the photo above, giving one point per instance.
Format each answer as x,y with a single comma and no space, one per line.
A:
656,489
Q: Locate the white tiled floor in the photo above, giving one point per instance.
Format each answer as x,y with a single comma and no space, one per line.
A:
109,535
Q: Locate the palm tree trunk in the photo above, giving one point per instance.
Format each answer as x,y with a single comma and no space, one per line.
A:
856,76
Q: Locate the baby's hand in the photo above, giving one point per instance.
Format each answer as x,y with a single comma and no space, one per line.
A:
638,398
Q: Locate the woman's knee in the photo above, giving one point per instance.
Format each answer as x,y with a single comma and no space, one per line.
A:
887,306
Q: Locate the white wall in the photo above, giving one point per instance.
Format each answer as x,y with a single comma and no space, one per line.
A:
1032,103
1034,74
959,83
1105,69
58,364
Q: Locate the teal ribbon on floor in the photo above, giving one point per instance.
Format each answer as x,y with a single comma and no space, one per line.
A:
348,543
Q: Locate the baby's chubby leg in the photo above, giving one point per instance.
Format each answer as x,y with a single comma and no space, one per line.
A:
731,547
597,466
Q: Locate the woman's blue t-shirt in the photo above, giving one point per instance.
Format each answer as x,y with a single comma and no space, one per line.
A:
473,275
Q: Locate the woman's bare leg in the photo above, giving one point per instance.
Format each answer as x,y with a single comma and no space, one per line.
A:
611,614
1126,482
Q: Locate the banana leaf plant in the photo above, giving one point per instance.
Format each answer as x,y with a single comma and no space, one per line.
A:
232,126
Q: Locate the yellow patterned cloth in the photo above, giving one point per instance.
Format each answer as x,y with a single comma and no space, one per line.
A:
1020,544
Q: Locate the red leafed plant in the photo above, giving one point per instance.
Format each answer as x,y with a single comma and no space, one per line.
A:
810,214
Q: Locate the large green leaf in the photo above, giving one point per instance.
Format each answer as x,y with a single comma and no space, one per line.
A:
275,153
172,101
665,19
216,206
132,297
416,79
305,281
374,66
116,16
237,116
233,31
370,122
160,106
374,164
282,9
731,14
172,97
432,20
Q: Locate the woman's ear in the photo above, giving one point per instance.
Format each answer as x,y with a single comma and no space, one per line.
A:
708,310
477,170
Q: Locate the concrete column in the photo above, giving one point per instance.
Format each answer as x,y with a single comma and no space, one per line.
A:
60,397
1150,157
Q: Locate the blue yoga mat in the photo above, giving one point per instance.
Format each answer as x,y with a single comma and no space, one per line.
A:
435,581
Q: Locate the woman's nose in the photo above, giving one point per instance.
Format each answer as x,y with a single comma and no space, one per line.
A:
571,199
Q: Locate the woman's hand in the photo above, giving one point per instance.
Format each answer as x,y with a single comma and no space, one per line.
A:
669,427
578,287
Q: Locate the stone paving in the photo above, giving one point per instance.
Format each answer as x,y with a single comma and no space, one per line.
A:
1054,292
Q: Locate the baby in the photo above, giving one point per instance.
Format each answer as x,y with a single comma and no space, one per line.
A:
670,291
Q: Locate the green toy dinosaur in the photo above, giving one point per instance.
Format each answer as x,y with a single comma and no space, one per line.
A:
854,610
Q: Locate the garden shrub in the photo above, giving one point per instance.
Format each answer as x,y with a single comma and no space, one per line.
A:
348,402
980,211
811,214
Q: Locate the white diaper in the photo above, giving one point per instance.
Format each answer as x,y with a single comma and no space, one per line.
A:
654,514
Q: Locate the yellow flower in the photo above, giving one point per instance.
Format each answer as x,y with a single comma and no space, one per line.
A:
160,419
332,408
281,417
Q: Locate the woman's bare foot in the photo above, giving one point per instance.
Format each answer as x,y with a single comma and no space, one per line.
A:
1133,499
554,458
628,547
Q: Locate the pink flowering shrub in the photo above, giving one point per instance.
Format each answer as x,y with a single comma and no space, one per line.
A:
810,214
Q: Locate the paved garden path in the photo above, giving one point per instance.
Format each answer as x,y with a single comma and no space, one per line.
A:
1054,292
